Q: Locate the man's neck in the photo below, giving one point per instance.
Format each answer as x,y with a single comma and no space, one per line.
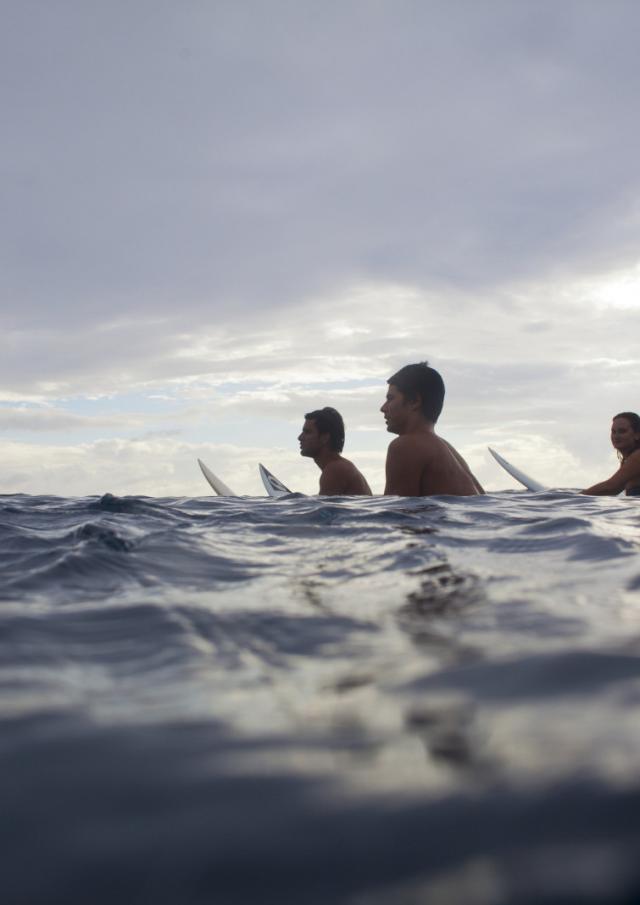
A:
418,424
324,457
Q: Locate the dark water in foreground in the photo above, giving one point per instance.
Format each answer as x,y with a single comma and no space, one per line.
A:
374,702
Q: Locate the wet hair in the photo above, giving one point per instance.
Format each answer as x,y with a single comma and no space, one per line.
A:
422,381
329,421
634,421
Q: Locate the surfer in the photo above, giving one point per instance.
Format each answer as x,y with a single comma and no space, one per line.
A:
625,438
419,463
322,439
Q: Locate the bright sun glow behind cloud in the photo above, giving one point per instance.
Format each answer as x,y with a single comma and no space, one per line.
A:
619,290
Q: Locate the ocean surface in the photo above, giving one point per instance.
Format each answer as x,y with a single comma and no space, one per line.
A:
373,701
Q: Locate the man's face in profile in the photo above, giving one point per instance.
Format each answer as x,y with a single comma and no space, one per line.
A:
395,409
310,439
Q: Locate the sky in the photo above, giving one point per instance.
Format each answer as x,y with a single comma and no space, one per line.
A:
217,216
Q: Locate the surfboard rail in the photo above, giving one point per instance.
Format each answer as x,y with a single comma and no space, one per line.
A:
216,483
522,478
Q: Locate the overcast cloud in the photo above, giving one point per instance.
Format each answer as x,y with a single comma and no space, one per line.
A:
215,214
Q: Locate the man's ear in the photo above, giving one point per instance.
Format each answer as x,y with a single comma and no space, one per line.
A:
416,403
325,438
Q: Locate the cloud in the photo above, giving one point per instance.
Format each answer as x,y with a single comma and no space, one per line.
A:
153,467
222,215
364,333
222,158
504,382
44,420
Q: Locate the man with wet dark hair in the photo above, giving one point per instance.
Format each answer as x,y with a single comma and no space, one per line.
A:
322,439
419,463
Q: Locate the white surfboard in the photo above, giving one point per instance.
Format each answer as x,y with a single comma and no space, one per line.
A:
520,476
273,486
219,486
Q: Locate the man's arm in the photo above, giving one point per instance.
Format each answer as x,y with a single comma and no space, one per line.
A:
462,462
403,468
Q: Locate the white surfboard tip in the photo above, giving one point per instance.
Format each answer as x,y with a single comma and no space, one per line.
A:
516,473
274,487
214,481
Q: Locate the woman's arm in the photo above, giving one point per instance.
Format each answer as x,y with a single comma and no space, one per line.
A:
628,472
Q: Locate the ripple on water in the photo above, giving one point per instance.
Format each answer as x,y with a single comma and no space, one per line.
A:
349,701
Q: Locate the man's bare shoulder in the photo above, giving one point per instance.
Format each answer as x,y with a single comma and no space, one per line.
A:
408,455
338,468
414,444
342,477
421,464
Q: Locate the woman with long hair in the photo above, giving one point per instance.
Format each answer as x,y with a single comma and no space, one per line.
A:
625,438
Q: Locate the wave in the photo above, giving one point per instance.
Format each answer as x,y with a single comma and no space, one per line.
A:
316,699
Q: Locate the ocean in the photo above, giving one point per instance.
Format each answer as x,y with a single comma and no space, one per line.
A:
371,701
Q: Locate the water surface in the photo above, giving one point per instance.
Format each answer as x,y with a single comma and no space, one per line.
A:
320,700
